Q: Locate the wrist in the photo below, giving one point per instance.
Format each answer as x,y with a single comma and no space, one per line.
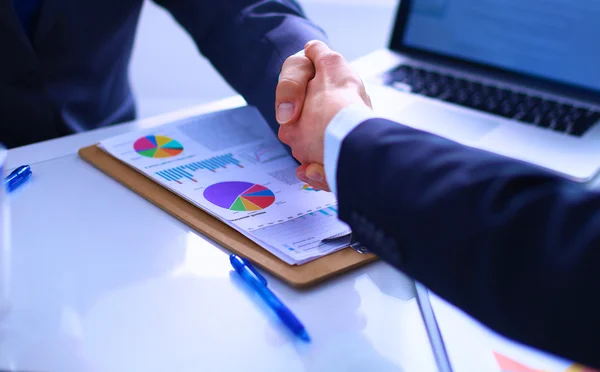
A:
346,105
340,126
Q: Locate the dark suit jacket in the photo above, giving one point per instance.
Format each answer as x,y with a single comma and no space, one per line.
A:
514,246
72,76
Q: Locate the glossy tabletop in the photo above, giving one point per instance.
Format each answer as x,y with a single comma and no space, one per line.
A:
102,280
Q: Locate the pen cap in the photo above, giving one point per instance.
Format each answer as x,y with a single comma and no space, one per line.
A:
17,177
239,264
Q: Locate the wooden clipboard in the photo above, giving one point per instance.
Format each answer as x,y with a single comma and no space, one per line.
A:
299,276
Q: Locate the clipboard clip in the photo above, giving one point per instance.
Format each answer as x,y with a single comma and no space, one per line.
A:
357,246
353,243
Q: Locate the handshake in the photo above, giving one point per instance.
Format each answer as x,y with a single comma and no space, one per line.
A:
313,88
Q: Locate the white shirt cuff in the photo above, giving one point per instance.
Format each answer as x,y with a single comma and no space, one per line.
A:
338,129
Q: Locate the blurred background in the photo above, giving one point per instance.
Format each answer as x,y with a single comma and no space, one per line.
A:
168,73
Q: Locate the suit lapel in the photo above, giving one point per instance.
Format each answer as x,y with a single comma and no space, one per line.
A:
49,13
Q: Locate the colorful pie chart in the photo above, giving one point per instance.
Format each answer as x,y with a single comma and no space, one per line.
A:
154,146
308,187
239,196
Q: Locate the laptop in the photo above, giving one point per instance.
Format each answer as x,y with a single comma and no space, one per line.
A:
514,77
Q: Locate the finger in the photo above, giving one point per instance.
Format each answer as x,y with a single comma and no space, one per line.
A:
315,49
318,186
301,173
332,65
367,99
316,174
285,135
296,72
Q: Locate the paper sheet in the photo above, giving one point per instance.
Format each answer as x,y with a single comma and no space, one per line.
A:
473,347
232,166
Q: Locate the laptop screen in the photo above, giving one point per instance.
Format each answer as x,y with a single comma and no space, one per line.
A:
557,40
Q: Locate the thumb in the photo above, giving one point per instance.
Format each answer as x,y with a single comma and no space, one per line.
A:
330,65
295,74
316,49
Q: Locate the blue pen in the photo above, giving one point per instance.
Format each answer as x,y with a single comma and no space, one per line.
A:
17,177
259,284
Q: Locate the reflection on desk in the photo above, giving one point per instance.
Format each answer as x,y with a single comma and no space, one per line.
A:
102,280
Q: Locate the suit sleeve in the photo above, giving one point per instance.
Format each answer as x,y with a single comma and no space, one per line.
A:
247,41
514,246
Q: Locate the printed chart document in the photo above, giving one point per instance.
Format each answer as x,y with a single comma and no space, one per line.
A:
473,347
231,165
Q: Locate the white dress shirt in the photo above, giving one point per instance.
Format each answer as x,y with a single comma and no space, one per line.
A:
338,129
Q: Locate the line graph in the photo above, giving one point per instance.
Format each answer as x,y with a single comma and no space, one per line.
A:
265,152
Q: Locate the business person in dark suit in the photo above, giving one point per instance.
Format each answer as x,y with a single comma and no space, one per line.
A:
514,246
64,65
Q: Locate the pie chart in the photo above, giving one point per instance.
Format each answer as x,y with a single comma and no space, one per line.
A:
155,146
239,196
308,187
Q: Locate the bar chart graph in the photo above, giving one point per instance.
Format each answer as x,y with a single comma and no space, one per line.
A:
326,211
183,172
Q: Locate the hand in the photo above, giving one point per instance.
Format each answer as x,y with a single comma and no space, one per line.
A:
296,72
313,174
308,99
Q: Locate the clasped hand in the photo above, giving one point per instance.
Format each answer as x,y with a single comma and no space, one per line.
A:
313,87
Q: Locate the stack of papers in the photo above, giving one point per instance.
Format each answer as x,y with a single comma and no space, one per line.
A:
231,165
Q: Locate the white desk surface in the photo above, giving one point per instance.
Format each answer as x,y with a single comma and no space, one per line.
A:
102,280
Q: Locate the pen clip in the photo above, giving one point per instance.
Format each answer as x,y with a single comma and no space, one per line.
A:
24,169
352,242
16,170
337,237
254,271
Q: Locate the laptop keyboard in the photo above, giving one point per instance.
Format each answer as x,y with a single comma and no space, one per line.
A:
526,108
